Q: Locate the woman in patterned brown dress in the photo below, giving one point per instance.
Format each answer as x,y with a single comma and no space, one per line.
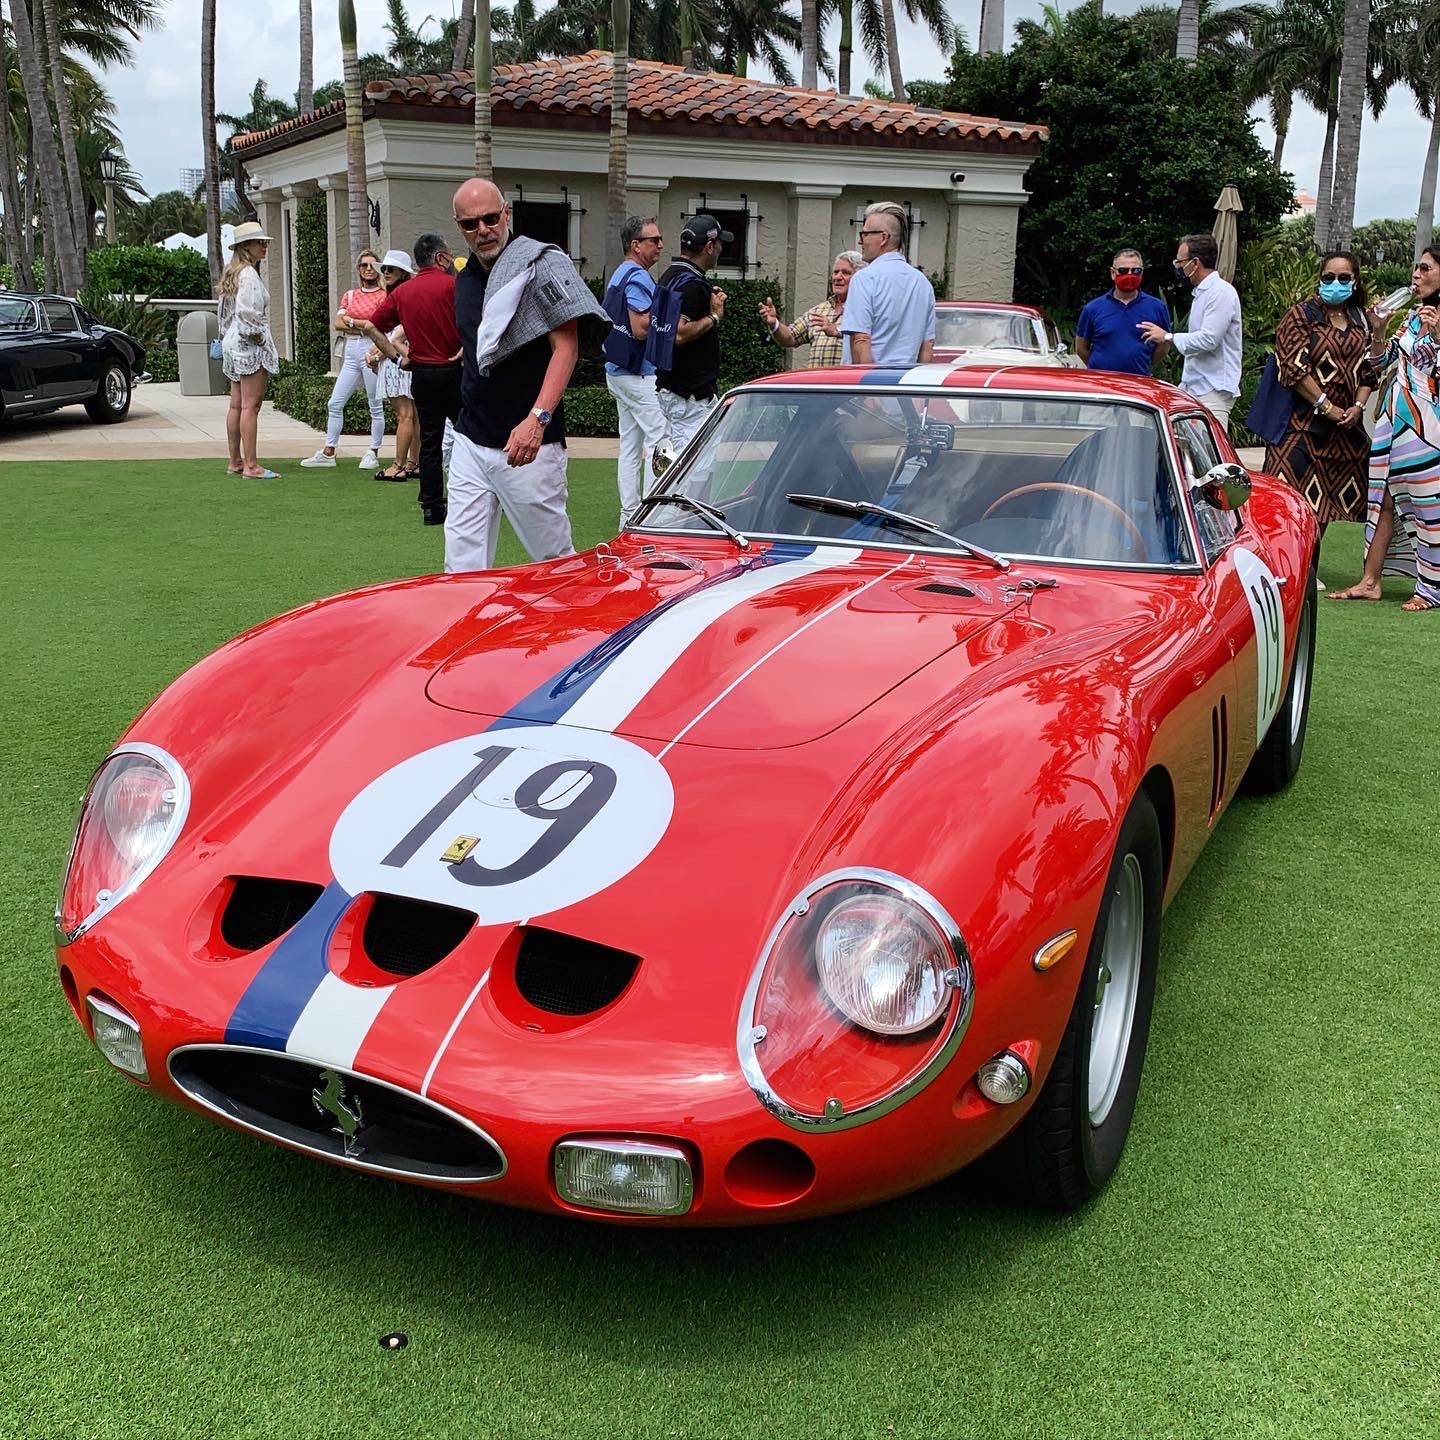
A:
1321,353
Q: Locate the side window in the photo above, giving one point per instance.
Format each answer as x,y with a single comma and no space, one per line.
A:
1198,454
59,316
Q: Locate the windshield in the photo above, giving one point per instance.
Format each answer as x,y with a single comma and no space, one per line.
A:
986,330
16,314
1070,479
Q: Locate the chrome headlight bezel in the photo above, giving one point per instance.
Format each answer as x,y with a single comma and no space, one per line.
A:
91,805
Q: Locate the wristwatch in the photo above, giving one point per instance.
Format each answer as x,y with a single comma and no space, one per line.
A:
543,416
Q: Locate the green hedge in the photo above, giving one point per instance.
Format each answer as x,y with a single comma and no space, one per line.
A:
590,410
180,274
313,333
306,397
163,365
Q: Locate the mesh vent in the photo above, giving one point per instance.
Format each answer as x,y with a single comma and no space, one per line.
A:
565,976
941,587
407,937
667,565
261,910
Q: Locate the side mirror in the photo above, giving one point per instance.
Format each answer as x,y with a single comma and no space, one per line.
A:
1060,348
1226,486
663,458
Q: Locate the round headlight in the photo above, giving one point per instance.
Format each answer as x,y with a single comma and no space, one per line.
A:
883,964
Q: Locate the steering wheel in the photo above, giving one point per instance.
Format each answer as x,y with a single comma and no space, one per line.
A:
1142,551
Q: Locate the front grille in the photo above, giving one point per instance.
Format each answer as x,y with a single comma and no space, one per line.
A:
565,976
336,1113
407,937
260,910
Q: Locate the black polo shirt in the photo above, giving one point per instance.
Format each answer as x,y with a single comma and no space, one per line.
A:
695,367
492,405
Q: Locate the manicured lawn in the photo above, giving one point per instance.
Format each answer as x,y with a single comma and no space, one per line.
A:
1264,1264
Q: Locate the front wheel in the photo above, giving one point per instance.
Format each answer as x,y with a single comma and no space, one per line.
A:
111,402
1069,1144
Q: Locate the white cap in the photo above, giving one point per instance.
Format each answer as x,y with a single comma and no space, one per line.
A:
398,260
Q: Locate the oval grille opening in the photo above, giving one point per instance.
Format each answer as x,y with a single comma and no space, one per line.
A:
565,976
261,910
407,937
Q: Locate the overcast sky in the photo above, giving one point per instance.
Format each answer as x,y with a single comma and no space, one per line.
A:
159,100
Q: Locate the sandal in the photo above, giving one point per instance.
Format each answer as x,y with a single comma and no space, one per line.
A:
390,472
1417,603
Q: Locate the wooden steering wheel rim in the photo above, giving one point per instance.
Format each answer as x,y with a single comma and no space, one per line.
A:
1142,550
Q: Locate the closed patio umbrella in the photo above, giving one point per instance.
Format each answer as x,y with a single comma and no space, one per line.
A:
1226,230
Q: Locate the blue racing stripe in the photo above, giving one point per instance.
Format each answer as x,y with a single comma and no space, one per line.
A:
883,377
282,987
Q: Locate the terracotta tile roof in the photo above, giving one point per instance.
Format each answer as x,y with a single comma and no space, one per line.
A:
574,93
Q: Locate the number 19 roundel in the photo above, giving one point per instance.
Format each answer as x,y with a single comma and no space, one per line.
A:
509,823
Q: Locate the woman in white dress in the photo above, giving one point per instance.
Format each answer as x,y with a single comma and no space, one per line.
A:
247,348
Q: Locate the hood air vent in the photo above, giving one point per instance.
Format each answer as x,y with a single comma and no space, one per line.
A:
565,976
407,937
944,587
261,910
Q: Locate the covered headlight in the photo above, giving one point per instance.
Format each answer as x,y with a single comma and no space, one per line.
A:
863,993
132,812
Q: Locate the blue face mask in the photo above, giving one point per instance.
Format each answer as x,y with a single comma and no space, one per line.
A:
1336,292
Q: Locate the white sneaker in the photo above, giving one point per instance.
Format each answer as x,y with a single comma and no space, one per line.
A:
318,461
370,460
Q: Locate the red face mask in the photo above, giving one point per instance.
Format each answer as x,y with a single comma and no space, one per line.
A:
1128,282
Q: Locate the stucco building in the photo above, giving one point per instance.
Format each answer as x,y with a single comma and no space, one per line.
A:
788,170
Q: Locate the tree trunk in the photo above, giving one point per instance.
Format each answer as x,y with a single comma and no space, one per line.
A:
847,43
1326,182
1425,215
484,75
305,100
619,169
62,264
992,27
18,245
357,209
809,43
1280,109
80,235
687,36
1187,30
464,29
1354,56
892,50
207,141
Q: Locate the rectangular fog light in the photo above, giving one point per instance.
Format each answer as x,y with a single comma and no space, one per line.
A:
627,1176
117,1036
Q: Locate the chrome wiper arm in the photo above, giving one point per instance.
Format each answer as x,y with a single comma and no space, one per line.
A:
699,507
896,518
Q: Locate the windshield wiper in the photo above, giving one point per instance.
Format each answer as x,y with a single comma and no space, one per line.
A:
897,519
709,512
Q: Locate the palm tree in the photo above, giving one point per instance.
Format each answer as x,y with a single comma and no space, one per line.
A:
464,28
1354,62
1187,30
207,139
619,165
877,33
358,211
759,28
484,74
16,248
992,27
60,93
809,43
305,96
1417,46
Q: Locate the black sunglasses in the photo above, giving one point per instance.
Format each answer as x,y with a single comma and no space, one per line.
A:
471,223
1129,269
1331,276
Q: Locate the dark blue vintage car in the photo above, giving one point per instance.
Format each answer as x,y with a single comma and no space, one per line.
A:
53,352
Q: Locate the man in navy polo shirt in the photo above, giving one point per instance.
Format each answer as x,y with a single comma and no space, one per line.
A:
1107,336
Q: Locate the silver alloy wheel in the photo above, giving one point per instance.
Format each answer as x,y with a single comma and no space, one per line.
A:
1300,684
1116,988
117,388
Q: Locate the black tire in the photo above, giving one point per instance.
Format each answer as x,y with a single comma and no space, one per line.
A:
1278,758
1069,1144
111,401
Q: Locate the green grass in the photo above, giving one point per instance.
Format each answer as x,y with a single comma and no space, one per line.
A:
1264,1264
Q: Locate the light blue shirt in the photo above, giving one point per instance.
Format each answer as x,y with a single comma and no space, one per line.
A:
1210,342
894,304
639,295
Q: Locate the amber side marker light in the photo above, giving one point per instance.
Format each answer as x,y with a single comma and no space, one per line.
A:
1053,951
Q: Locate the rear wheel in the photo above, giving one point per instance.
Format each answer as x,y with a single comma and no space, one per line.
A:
111,402
1069,1144
1278,758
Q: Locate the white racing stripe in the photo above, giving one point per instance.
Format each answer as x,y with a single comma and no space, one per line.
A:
631,675
450,1033
334,1023
931,374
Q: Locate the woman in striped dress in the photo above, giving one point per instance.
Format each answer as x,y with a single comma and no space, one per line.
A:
1405,453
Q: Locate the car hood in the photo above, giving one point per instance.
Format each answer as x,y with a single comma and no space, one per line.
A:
736,650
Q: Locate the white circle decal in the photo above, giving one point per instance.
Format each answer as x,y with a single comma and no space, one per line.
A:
511,823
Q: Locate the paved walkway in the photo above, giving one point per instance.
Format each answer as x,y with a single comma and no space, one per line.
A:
163,424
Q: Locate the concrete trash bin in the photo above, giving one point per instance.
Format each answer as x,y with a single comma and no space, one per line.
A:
199,374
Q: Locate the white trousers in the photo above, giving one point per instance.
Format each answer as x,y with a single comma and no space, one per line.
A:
685,416
643,428
533,496
1219,403
355,372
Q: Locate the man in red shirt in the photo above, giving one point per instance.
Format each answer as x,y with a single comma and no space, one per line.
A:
425,306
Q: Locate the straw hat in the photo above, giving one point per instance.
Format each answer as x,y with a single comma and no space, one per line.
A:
246,231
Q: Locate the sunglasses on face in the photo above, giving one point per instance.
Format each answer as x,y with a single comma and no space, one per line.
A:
1332,276
471,223
1129,269
1425,265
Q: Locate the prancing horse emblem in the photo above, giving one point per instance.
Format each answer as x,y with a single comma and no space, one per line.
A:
332,1100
